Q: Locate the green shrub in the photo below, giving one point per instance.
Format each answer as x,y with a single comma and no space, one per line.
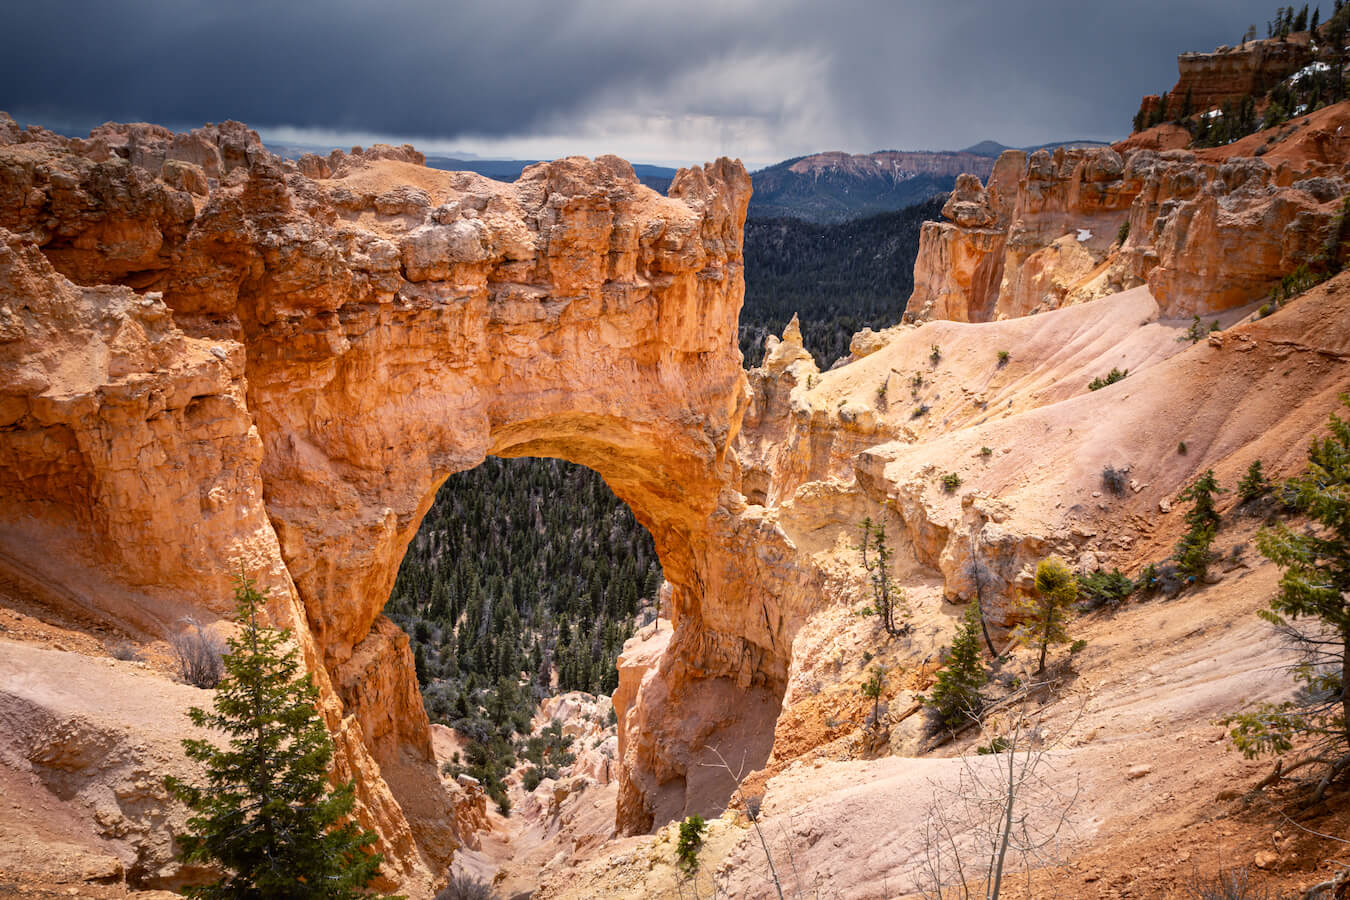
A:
1104,589
1003,357
1194,333
1043,615
950,482
955,698
1254,484
691,840
1192,553
1112,377
1115,480
935,356
1124,232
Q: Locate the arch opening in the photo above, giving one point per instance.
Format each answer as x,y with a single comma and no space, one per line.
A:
525,578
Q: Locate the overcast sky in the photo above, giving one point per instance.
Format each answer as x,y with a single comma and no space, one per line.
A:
683,80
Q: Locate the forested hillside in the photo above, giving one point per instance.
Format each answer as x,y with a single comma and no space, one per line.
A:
838,278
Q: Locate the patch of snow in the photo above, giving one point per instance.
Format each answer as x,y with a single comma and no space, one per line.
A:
1307,70
1084,234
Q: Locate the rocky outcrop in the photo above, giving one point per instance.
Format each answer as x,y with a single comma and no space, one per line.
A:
276,376
1209,80
1205,235
959,268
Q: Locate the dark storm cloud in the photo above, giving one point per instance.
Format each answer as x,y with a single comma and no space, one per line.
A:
748,77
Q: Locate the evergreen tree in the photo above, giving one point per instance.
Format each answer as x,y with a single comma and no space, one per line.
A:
872,689
1300,22
1316,20
1192,553
1315,585
420,665
1044,614
267,814
1254,483
955,698
887,598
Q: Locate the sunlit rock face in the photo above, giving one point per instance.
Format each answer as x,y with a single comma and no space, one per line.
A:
1205,235
216,359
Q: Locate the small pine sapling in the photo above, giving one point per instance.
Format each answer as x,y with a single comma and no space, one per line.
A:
1045,613
1254,484
690,842
888,600
1192,553
872,689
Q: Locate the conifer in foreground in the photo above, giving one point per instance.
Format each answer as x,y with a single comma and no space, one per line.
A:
956,693
267,815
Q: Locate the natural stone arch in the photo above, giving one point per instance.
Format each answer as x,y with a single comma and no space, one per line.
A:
323,351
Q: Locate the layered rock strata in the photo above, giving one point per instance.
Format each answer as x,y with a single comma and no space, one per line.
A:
1209,80
1205,235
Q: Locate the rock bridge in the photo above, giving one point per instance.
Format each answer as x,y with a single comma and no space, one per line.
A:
211,357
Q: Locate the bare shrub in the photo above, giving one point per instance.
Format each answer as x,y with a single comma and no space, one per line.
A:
1115,480
1229,884
125,651
200,655
466,887
1006,812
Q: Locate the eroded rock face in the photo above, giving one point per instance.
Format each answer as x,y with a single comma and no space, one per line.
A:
285,368
1209,80
1205,235
960,264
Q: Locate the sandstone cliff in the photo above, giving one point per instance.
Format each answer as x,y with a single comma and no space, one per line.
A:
213,361
1206,231
1210,80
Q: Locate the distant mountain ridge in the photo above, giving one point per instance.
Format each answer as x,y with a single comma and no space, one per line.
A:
993,148
836,186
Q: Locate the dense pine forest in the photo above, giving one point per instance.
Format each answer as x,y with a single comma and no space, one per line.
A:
524,580
528,575
838,278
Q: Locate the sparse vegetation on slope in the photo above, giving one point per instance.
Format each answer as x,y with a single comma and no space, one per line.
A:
1312,612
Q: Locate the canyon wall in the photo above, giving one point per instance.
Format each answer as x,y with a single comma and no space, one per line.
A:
216,360
1210,80
1205,234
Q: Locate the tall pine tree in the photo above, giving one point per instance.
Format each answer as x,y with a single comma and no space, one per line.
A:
267,815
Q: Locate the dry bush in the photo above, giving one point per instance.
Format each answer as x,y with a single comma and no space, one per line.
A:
1229,884
466,887
1115,480
200,655
125,651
